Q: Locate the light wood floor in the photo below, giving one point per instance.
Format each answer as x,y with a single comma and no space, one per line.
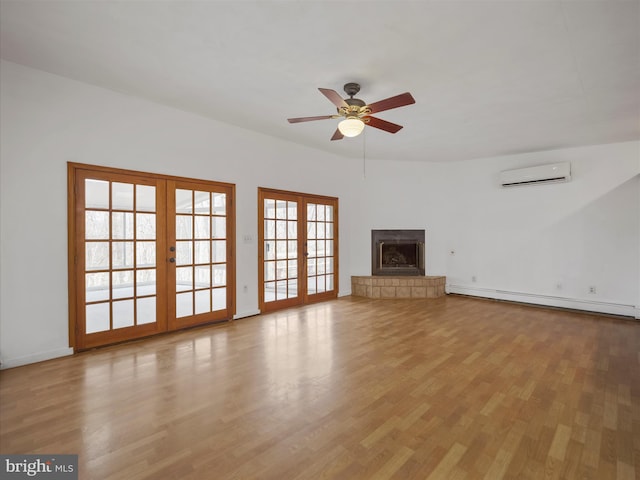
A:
450,388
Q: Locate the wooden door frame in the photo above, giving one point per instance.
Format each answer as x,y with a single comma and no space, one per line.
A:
303,297
73,169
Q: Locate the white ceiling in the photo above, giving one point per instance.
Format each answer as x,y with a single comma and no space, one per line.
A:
489,77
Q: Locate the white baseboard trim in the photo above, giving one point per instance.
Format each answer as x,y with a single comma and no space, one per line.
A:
35,358
247,313
548,300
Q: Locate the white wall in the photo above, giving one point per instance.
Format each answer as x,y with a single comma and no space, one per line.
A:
519,243
543,244
49,120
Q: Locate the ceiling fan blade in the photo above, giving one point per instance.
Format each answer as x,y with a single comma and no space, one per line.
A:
308,119
337,135
334,97
392,102
383,125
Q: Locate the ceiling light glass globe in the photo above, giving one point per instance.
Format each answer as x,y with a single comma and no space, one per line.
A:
351,127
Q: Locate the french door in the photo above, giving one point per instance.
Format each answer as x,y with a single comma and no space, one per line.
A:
147,254
298,255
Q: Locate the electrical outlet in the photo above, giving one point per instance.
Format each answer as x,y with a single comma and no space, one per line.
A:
592,289
473,279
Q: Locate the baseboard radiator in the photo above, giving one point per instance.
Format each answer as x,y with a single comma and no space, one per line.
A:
610,308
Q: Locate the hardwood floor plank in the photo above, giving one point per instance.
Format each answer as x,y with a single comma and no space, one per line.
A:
454,387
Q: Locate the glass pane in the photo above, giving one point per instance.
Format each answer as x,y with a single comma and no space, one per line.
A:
96,225
293,249
269,208
121,196
96,286
281,269
184,278
270,270
145,254
328,232
311,266
311,285
219,299
281,249
219,252
311,212
184,226
96,255
146,283
219,229
203,253
320,214
320,250
292,229
329,282
292,210
311,230
293,289
269,229
320,266
329,265
203,276
329,251
329,213
202,202
184,304
123,314
96,194
97,317
281,209
203,301
292,271
183,201
145,226
202,227
320,284
270,250
219,203
281,229
183,253
281,290
269,292
146,310
145,199
122,225
122,254
219,275
320,230
122,284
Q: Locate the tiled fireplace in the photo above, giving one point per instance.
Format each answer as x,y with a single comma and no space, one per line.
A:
398,268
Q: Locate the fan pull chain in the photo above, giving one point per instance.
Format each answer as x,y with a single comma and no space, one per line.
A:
364,153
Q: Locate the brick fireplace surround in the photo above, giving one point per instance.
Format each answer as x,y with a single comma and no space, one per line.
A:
398,287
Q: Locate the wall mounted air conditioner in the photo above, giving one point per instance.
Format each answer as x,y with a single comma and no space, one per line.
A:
552,173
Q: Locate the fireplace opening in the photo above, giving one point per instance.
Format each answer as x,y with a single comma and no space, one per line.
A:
397,252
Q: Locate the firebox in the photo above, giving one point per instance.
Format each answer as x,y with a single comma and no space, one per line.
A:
397,252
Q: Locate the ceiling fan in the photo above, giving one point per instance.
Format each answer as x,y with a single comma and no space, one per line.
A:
356,113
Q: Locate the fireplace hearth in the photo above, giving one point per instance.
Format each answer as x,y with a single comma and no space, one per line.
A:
397,252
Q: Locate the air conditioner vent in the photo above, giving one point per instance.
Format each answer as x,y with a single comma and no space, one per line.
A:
552,173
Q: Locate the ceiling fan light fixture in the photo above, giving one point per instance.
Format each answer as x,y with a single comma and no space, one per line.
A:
351,127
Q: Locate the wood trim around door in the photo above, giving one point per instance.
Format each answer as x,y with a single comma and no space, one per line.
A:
302,200
76,285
